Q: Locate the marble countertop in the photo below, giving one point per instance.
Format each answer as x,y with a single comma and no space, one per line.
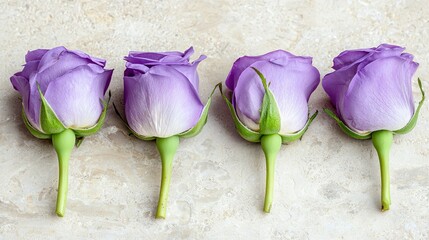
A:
327,185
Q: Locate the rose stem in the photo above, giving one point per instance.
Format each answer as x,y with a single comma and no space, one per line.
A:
63,143
382,140
167,148
271,146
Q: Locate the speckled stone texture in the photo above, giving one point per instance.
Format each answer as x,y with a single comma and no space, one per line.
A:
327,185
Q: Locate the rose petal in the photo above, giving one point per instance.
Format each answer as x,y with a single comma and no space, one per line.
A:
348,63
380,96
244,62
35,55
190,71
160,58
55,63
23,87
161,102
99,61
76,96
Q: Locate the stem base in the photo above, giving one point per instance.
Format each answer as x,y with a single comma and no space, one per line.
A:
167,149
382,141
271,146
63,143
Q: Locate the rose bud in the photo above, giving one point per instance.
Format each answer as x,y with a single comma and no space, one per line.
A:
270,96
371,91
62,99
162,103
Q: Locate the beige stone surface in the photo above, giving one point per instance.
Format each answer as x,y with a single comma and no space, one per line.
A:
327,185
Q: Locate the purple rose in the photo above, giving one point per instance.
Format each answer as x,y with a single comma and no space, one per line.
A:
72,82
161,92
62,95
292,80
270,96
162,103
371,88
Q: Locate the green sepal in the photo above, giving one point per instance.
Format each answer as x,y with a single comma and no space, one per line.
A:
141,137
287,138
83,132
48,119
244,132
269,122
79,141
202,121
412,123
31,129
347,130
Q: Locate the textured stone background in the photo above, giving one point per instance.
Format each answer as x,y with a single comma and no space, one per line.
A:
327,185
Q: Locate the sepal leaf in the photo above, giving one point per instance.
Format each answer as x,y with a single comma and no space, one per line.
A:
31,129
48,119
244,131
202,121
287,138
346,129
412,123
269,122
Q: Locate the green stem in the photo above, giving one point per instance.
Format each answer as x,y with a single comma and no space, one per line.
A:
382,140
63,143
271,146
167,149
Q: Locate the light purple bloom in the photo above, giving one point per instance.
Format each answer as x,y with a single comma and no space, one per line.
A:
371,88
72,82
291,79
161,92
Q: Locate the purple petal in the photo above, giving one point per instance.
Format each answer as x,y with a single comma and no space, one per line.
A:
54,64
23,87
244,62
356,56
292,80
136,67
76,96
160,58
190,71
161,102
348,57
380,96
35,55
336,83
348,63
98,61
30,68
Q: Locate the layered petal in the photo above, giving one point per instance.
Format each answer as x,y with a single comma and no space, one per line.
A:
160,58
244,62
291,80
349,57
141,62
161,102
35,55
190,71
51,66
348,63
380,95
55,63
76,96
336,83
